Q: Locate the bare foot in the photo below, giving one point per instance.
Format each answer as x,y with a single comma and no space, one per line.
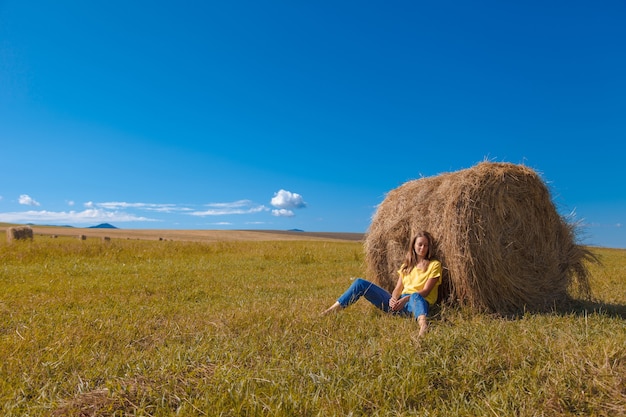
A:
332,309
423,325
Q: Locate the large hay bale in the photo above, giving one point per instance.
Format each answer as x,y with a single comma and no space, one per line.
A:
19,233
503,245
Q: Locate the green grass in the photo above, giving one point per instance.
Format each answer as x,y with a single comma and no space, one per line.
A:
152,328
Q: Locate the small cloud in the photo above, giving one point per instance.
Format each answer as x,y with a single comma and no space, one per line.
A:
27,200
70,203
232,204
161,208
225,209
284,199
283,213
85,216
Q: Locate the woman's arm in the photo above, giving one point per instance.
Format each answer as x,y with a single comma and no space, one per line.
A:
399,304
428,287
395,302
397,292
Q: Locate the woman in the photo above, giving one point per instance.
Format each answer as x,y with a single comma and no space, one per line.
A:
416,290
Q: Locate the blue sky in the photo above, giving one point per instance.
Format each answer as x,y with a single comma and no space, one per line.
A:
283,114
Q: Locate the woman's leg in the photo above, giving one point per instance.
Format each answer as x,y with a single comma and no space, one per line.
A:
376,295
331,309
423,325
418,307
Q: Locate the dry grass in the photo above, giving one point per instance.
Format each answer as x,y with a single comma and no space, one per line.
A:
147,328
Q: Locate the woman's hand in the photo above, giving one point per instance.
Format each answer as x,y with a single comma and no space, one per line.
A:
397,304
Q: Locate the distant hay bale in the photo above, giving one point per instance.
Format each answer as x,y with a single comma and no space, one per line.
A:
82,237
504,247
19,233
106,239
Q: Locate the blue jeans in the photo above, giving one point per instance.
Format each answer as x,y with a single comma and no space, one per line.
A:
379,297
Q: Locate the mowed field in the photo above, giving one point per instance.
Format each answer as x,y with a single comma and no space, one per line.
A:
226,323
189,235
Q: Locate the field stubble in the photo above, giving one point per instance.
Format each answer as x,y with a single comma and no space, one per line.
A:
138,327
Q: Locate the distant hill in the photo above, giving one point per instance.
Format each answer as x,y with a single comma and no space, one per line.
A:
103,226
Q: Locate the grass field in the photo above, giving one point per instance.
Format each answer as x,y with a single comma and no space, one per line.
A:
231,327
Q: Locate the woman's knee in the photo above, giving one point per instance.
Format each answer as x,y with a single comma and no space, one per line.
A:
354,292
360,283
418,305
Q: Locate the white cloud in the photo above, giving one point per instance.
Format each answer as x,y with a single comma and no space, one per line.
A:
119,211
236,207
283,213
161,208
71,217
232,204
27,200
214,209
287,200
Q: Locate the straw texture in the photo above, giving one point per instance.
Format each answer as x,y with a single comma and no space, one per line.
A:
504,247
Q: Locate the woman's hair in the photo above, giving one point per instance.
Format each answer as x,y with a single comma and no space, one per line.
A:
410,259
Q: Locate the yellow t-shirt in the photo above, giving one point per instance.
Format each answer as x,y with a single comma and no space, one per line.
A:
415,280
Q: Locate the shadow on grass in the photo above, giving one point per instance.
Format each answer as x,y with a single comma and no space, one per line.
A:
571,307
585,307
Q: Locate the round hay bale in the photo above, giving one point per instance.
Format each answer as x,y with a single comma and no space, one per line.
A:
19,233
503,246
